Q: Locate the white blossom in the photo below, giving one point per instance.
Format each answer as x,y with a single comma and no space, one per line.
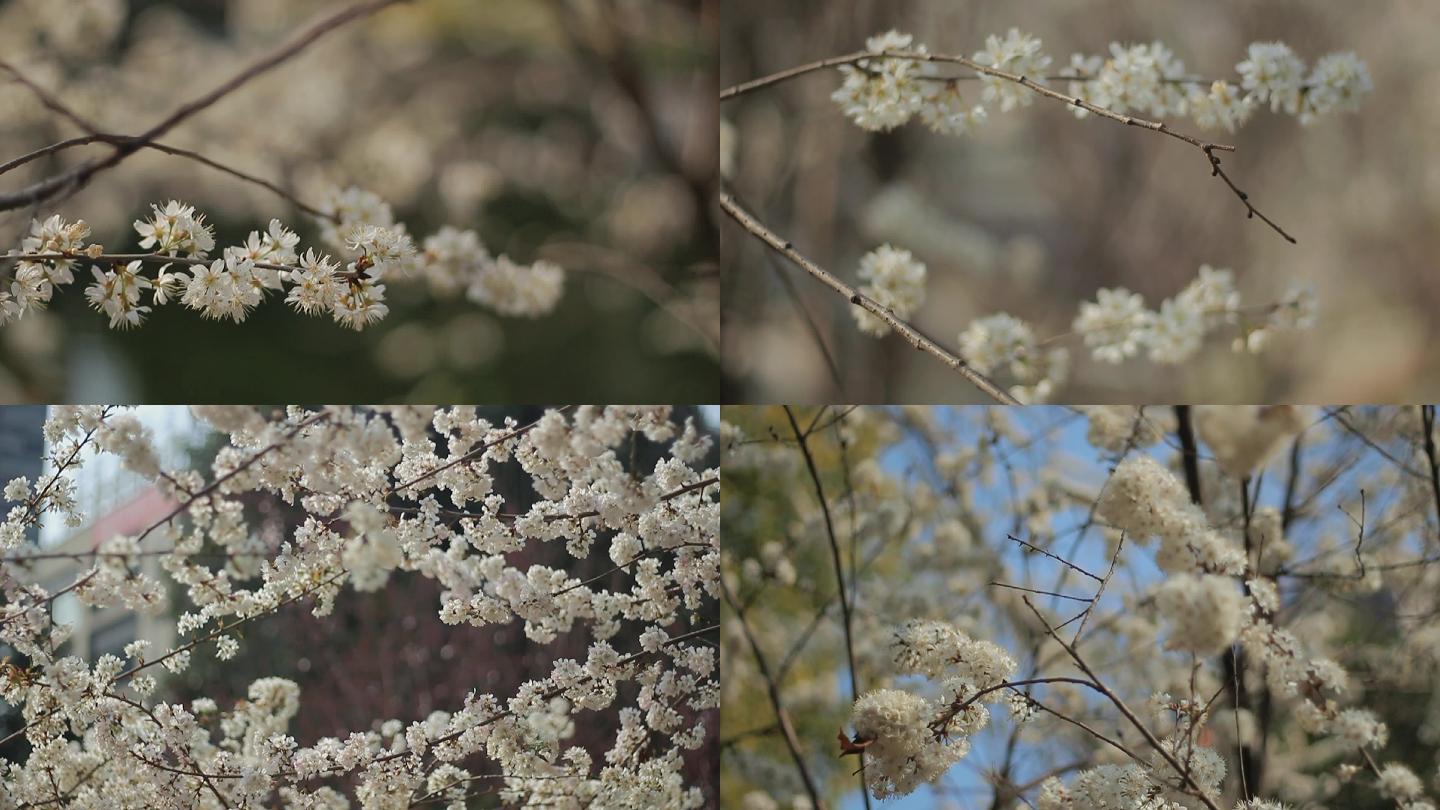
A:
370,248
894,279
368,483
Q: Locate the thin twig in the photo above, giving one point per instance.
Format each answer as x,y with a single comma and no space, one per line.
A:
47,98
153,258
1099,592
845,606
1085,599
905,330
1208,148
777,704
1125,710
80,175
1072,566
58,146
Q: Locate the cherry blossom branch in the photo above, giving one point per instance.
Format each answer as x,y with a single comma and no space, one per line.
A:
208,779
622,567
153,258
511,516
669,496
1208,148
32,507
68,794
1125,710
20,732
473,454
117,555
552,693
1052,77
912,335
959,705
222,627
218,482
1024,81
51,598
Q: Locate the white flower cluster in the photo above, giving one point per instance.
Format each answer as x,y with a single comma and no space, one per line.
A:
358,226
895,280
455,260
1314,682
1150,78
1201,601
1134,786
1117,325
35,282
1004,343
1146,501
883,93
1399,783
371,483
1118,428
1274,73
1205,612
909,739
1018,53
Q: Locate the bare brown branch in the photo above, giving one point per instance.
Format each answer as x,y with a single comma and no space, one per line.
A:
912,335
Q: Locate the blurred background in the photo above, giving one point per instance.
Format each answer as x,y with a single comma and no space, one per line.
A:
578,131
379,655
1035,211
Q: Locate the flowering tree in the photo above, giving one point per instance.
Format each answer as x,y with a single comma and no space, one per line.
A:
382,492
896,79
353,160
1112,607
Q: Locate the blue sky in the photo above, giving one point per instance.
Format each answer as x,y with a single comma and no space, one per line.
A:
1083,465
1068,440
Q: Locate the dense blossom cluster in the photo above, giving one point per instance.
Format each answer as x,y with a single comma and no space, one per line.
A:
383,490
1117,326
1134,786
910,739
894,280
1202,604
357,226
882,93
1005,344
1147,502
1206,592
